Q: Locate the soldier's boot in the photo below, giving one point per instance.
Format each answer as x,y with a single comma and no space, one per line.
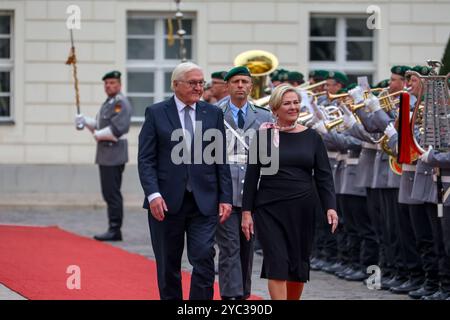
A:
113,233
438,295
395,281
410,285
430,286
358,275
110,235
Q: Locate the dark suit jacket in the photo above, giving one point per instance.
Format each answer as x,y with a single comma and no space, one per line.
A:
210,183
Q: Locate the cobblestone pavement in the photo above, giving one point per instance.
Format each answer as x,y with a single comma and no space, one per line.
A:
89,221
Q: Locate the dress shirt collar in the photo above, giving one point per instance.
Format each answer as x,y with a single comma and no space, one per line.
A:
235,109
180,104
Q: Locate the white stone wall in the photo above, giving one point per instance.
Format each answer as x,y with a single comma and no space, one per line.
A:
43,133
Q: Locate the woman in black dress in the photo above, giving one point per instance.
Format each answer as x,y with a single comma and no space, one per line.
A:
285,202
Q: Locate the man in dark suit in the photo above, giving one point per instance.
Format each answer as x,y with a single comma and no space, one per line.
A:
187,196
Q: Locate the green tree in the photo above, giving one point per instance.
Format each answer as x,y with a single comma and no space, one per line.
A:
446,60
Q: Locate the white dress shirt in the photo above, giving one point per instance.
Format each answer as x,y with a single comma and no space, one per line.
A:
180,107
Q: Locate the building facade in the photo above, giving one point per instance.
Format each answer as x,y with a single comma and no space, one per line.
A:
41,153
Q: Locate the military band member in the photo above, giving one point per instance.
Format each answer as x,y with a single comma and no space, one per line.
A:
109,129
316,76
219,87
393,249
207,94
325,251
336,82
241,117
441,226
415,184
428,225
295,78
361,238
278,77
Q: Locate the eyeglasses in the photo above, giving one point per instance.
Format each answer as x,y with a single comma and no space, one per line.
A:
193,83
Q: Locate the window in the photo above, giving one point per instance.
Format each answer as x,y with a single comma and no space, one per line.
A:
6,66
342,43
151,59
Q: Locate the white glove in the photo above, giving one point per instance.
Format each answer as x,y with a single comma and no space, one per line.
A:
104,134
372,104
80,122
349,118
424,156
390,130
320,127
306,102
357,94
88,122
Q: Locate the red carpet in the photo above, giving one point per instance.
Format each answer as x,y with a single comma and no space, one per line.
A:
34,261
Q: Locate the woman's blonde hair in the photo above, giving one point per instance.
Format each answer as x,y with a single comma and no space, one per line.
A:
276,98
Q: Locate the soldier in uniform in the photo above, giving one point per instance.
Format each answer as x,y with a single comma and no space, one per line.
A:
278,77
316,76
241,118
383,195
219,87
336,82
295,78
441,225
109,129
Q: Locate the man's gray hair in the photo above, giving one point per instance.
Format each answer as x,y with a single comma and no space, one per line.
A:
181,69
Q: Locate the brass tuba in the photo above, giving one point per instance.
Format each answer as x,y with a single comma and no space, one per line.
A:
260,63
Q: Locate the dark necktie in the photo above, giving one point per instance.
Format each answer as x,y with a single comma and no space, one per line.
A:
241,120
188,124
189,128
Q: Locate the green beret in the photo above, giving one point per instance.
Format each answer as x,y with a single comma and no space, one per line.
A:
351,86
295,76
279,75
383,83
218,75
112,75
400,70
423,70
338,76
318,75
241,70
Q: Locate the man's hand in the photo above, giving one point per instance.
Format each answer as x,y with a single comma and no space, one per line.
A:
349,118
357,94
224,211
390,130
372,104
332,219
320,127
104,134
424,156
247,224
157,208
80,121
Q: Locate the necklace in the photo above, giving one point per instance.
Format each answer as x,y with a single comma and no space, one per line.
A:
287,128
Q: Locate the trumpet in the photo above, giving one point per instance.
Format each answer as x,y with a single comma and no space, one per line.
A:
334,123
309,87
343,96
264,101
304,117
385,101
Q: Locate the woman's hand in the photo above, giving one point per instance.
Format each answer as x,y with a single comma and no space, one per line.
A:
332,219
247,224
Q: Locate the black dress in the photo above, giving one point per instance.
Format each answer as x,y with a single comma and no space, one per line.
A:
284,204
